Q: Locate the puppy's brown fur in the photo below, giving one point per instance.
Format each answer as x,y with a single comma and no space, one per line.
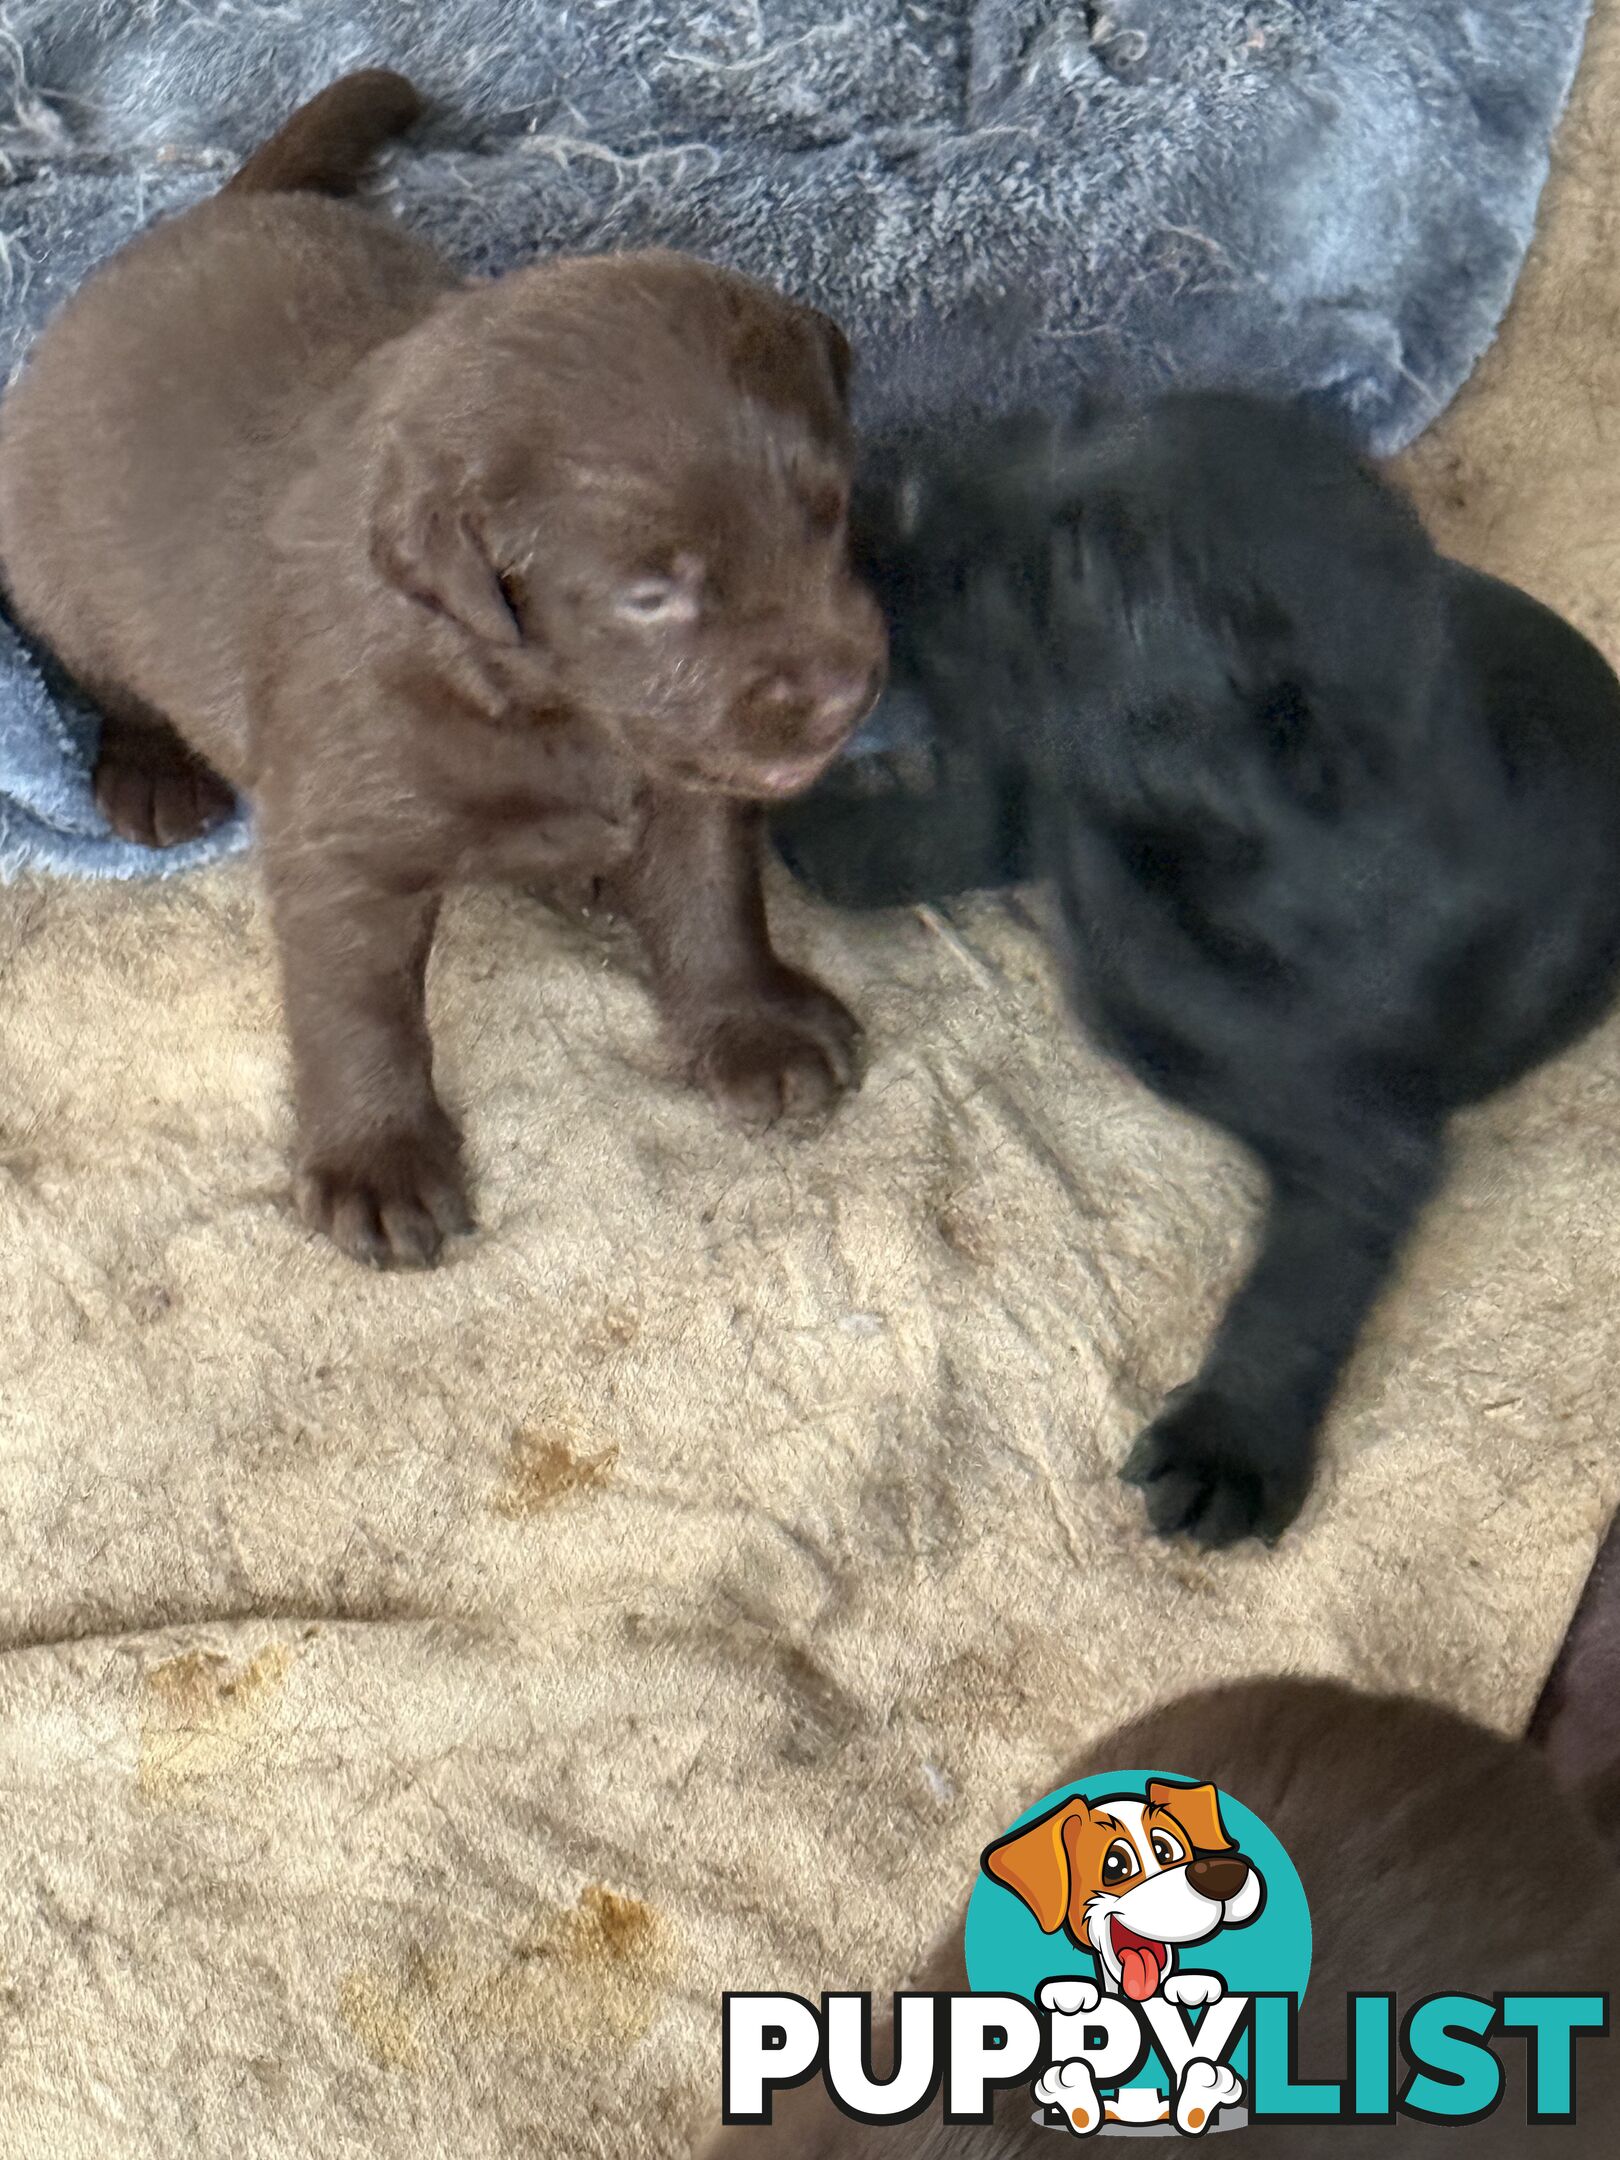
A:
1435,1856
541,579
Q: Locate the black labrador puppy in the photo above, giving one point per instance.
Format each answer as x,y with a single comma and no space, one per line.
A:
1334,824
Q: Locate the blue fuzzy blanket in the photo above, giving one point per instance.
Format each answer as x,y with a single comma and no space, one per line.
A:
1005,201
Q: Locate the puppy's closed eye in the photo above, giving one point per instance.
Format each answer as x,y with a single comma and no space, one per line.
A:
660,597
655,600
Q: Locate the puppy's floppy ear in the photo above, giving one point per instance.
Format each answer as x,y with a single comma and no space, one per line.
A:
1033,1863
1198,1810
840,354
425,540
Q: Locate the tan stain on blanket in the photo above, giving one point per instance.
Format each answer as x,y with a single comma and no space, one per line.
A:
543,1468
614,1328
375,2009
577,1980
206,1719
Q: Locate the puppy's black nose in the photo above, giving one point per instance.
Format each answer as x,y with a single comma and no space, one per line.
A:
1219,1876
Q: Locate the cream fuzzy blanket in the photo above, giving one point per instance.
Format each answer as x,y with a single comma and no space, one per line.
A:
420,1697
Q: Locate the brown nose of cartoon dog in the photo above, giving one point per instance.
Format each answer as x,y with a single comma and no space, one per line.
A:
1220,1877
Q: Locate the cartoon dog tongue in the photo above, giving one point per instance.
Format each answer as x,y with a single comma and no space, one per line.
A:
1140,1962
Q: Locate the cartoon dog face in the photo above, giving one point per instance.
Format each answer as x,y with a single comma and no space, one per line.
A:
1131,1880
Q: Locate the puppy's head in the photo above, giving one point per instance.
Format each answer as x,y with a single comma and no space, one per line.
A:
1198,548
625,482
1131,1880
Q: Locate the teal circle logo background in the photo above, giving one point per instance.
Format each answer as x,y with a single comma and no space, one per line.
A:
1008,1955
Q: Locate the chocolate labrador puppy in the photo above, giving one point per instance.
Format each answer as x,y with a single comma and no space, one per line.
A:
1332,823
540,579
1436,1856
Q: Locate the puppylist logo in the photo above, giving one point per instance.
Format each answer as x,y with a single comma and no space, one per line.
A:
1169,1921
1137,1949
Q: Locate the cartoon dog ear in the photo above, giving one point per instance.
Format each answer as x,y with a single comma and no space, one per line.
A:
1198,1810
425,541
1033,1863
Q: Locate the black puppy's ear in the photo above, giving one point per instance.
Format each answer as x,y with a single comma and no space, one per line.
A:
1577,1721
425,540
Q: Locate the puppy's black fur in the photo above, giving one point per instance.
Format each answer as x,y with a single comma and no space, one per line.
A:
1334,824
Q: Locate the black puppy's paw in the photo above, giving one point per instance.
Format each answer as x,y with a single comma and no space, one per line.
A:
1209,1476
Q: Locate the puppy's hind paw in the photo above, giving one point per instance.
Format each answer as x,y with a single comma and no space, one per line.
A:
1070,2087
1204,2090
158,800
1204,1478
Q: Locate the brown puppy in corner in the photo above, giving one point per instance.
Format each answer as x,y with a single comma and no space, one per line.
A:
1436,1856
541,579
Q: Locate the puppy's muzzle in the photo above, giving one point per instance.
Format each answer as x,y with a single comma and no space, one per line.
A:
797,721
826,704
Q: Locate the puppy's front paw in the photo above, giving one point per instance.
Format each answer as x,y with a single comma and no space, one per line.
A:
1206,1478
158,801
391,1200
790,1053
1192,1990
1068,1998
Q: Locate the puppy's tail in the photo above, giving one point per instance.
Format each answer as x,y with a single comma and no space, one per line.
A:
327,145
